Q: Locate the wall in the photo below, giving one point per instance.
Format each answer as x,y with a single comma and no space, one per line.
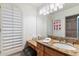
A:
33,24
29,21
42,25
49,25
61,16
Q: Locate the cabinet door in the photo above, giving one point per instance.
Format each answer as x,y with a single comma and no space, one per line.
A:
40,52
40,49
52,52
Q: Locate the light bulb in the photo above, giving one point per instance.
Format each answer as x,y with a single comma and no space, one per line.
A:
44,10
60,6
51,6
44,14
55,7
40,12
47,12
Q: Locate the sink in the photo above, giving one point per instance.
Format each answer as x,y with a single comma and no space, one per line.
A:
47,40
64,46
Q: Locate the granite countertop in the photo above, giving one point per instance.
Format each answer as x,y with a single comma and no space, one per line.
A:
50,45
69,52
33,42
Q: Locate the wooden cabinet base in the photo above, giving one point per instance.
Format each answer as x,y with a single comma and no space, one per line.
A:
43,50
46,51
52,52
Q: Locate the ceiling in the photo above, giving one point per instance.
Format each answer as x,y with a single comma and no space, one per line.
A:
70,5
40,5
66,5
37,5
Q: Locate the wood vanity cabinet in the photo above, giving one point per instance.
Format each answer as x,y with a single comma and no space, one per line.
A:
52,52
43,50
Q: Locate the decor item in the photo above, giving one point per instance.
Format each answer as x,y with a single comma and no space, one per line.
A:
57,24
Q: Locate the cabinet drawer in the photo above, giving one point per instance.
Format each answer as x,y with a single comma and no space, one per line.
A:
52,52
39,46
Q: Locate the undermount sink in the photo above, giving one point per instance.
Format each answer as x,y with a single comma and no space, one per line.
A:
64,46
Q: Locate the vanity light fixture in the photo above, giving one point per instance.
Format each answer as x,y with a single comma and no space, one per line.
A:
46,13
55,7
50,8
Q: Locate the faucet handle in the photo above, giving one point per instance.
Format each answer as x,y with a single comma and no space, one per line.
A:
62,40
71,41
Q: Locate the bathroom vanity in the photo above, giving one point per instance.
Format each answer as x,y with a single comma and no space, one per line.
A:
49,49
45,50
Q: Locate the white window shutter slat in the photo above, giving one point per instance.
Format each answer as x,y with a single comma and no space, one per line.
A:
11,29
